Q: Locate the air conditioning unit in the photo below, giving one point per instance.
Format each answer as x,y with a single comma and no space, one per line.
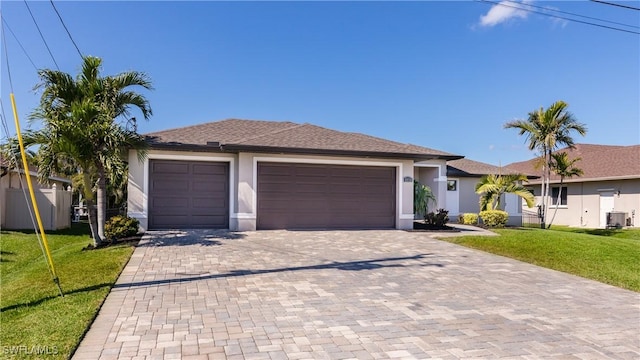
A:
616,219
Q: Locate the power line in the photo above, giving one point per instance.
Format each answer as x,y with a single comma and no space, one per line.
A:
6,57
618,5
41,36
65,27
4,21
572,14
560,17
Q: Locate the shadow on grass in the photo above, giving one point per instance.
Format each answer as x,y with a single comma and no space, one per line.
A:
40,301
189,237
4,254
76,229
599,232
358,265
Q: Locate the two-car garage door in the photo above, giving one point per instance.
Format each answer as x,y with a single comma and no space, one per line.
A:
195,194
310,196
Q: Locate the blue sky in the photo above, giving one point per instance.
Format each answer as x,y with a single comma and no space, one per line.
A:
445,75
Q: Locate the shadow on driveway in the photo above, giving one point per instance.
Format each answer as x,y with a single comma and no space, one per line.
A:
358,265
189,237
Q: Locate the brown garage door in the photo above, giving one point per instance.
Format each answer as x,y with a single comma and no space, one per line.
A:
308,196
188,194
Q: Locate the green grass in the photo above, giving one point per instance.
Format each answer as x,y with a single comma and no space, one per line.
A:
32,314
627,233
611,257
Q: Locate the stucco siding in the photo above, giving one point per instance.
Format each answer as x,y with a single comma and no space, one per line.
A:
243,180
469,200
584,198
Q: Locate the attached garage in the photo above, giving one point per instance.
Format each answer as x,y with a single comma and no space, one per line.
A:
188,194
313,196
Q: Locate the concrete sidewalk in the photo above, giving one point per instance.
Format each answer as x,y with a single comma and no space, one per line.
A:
351,294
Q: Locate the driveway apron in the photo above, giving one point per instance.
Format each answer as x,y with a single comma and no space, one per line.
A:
351,294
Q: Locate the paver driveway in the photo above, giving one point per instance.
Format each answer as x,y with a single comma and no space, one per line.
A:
351,294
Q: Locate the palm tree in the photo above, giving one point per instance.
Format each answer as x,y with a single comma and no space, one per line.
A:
491,188
546,130
422,196
81,128
565,168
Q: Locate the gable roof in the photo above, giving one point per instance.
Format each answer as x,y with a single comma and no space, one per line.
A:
235,135
471,168
599,162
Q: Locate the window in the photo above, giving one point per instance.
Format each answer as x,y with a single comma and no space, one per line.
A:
452,185
563,196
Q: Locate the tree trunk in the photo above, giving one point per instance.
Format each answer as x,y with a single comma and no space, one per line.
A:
546,181
102,202
555,211
88,195
93,222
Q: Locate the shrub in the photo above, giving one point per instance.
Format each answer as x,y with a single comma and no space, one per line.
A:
468,219
494,218
437,219
119,227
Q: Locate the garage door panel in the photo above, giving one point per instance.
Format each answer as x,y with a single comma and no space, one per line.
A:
169,184
208,169
188,194
325,196
169,168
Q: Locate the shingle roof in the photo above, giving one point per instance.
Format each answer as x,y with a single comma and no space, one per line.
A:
254,135
599,162
471,168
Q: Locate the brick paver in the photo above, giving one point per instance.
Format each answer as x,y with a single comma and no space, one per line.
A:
351,294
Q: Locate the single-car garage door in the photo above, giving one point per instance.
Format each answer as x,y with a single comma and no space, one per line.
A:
311,196
188,194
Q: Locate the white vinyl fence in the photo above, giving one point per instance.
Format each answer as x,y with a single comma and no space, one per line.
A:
54,205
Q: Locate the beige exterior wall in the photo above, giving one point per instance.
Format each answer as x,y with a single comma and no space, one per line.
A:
583,202
243,179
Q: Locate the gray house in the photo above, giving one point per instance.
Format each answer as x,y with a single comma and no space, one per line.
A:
462,177
247,175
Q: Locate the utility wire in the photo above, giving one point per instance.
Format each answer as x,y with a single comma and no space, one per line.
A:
41,36
560,17
67,30
618,5
572,14
4,22
6,57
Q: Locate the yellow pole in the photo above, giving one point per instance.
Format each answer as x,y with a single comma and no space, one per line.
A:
33,196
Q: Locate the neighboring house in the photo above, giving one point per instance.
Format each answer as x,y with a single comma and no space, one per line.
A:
462,177
611,183
247,175
54,200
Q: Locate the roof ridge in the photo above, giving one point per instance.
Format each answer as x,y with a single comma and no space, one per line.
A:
213,122
295,125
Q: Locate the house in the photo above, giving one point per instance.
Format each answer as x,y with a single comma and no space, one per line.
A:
462,177
610,183
247,175
54,199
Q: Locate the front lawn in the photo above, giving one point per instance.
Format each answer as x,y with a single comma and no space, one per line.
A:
35,321
611,257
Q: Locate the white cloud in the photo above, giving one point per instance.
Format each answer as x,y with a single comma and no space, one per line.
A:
504,11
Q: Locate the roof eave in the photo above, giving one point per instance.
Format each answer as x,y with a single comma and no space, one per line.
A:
334,152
